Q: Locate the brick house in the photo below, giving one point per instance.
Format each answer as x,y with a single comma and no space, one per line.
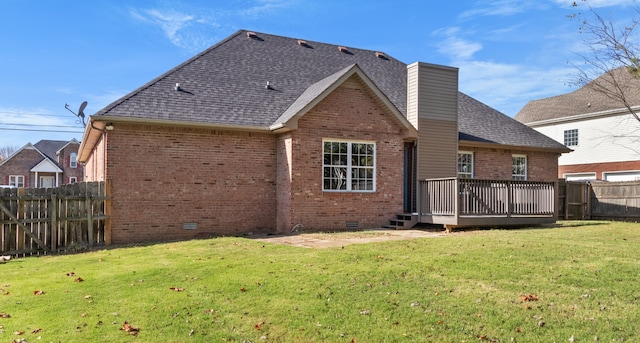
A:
48,163
598,128
261,133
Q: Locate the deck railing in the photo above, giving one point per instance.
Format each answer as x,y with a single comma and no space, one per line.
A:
474,197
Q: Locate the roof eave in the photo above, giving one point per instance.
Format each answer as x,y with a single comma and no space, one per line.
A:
98,123
467,144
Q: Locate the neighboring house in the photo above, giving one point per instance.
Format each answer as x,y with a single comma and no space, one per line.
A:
45,164
604,136
262,133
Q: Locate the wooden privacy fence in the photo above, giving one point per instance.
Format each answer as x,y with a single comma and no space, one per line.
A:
47,220
600,200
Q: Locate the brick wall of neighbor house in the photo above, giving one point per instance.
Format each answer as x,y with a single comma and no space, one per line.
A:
496,164
165,178
64,161
347,113
94,166
20,164
599,168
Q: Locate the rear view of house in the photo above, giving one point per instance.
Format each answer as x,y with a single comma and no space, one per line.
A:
263,133
46,164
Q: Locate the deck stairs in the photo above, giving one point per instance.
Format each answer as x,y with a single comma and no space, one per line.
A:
403,221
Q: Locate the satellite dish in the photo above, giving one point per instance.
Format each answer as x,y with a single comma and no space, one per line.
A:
81,110
80,113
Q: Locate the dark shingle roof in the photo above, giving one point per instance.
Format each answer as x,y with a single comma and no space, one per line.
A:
581,101
50,147
225,85
478,122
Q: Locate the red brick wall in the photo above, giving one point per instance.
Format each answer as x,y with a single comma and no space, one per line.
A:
20,164
496,164
163,177
94,166
63,160
599,168
349,114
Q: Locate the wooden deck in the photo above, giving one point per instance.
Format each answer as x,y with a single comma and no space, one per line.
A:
456,202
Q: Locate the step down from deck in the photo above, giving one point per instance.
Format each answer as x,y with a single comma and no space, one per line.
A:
403,221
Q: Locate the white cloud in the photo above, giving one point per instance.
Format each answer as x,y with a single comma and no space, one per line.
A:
508,87
187,31
265,6
454,46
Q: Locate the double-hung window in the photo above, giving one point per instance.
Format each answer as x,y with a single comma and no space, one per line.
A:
348,166
16,180
519,167
73,160
465,165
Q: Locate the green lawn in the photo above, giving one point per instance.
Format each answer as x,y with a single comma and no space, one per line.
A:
579,279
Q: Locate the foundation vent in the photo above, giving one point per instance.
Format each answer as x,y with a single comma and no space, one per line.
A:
189,226
352,225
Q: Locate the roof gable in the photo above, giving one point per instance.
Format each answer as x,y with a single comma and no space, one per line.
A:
319,90
46,166
27,146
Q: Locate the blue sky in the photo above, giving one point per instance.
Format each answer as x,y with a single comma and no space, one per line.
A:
54,53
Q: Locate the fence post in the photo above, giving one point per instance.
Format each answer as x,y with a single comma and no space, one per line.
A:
107,212
89,208
54,222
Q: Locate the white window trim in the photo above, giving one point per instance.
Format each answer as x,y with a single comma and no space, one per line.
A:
581,176
73,179
16,183
526,168
577,137
73,160
471,173
349,166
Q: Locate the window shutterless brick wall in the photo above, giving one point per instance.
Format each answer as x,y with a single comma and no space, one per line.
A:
21,164
496,164
164,177
348,113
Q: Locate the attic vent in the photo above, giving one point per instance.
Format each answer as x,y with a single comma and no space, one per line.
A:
252,34
303,43
381,56
343,49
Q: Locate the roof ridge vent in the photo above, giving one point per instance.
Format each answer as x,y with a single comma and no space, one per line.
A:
251,34
303,43
381,55
345,50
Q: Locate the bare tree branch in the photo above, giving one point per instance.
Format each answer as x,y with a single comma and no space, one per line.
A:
613,51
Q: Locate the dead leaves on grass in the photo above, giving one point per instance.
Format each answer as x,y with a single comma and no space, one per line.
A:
530,297
126,327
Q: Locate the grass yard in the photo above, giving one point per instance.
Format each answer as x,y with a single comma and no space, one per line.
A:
577,282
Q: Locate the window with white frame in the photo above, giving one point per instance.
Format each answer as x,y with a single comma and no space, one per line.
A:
519,167
465,165
571,137
16,180
73,160
73,179
348,166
